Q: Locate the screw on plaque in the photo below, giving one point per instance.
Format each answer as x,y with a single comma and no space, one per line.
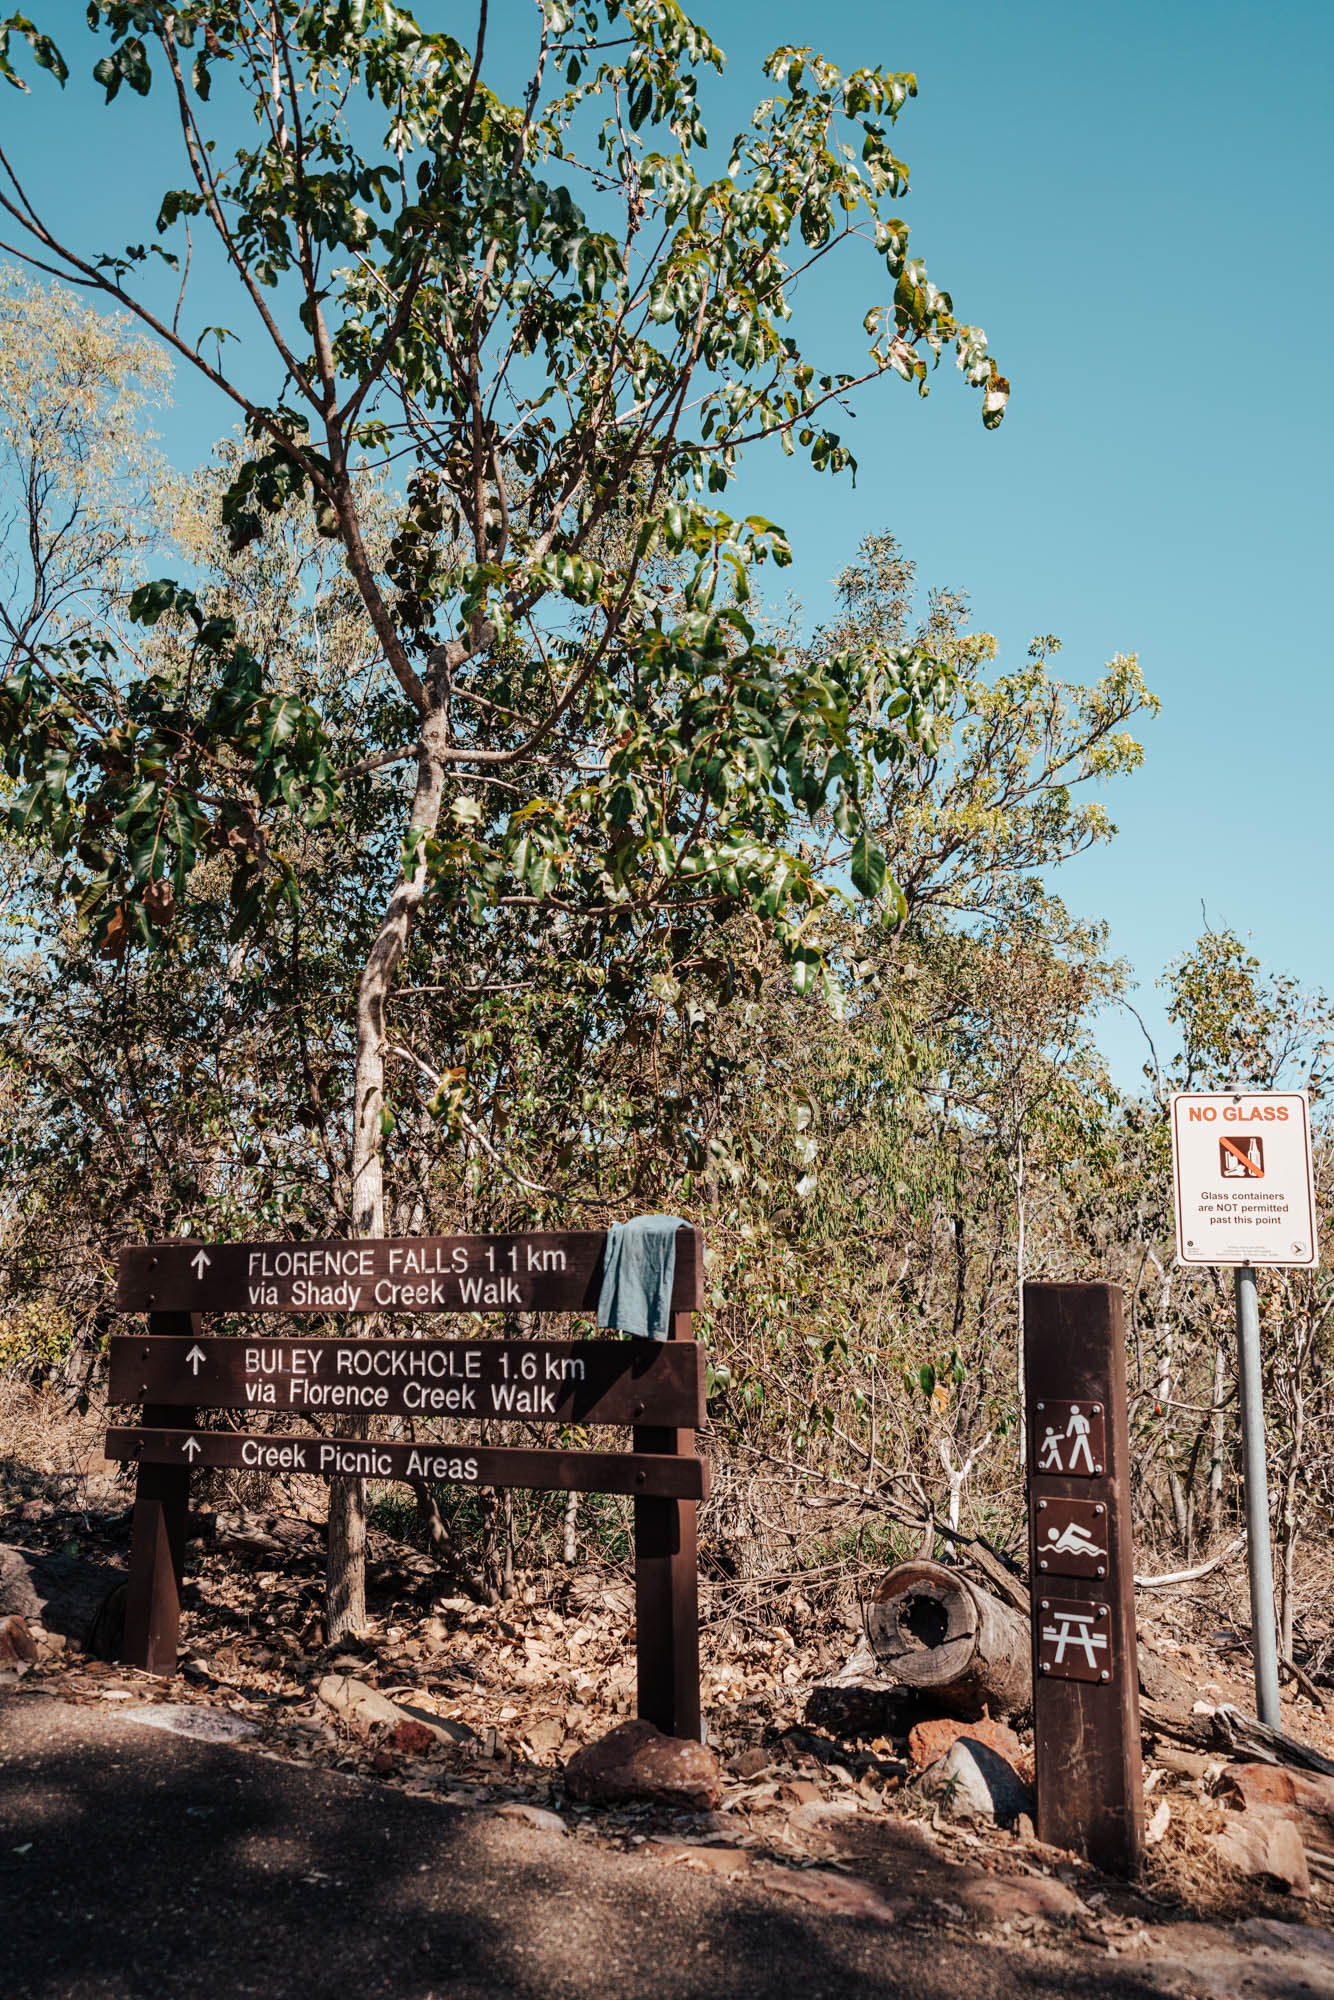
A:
1042,1565
1041,1505
1098,1509
1104,1675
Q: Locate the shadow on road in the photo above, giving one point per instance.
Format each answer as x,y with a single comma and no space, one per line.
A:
139,1866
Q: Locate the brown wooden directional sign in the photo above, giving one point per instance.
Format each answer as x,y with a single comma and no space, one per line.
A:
647,1475
420,1274
540,1381
175,1369
1071,1538
1090,1793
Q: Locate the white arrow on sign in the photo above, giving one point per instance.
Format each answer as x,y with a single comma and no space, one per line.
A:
194,1357
201,1261
191,1447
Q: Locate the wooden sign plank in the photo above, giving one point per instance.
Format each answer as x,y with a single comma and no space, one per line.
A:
422,1274
1090,1791
451,1464
540,1381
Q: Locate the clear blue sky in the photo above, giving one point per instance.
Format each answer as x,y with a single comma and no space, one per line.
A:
1134,202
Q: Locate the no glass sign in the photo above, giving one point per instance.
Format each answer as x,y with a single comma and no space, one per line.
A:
1242,1166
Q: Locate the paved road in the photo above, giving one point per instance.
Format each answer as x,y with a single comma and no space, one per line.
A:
158,1868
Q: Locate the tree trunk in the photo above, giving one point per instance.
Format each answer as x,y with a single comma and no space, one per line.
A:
1289,1521
1021,1259
1218,1442
345,1594
932,1629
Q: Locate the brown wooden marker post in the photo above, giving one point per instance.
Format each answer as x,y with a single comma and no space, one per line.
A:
1090,1792
157,1540
667,1581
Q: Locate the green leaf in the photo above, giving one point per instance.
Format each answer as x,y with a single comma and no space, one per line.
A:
867,866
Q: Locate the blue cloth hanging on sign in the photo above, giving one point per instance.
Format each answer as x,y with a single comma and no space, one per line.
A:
638,1267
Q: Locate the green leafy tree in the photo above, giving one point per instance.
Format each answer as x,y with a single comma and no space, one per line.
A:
555,328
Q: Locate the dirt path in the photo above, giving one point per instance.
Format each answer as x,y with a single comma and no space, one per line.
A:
137,1865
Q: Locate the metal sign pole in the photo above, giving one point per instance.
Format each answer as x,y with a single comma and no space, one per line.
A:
1264,1637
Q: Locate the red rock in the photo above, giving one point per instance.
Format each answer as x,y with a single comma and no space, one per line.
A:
973,1781
1246,1785
412,1739
1306,1797
16,1641
1265,1841
929,1741
714,1860
835,1895
1002,1899
799,1792
382,1763
636,1761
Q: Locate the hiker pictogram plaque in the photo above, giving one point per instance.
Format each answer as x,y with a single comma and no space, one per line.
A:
1074,1639
1070,1438
1071,1538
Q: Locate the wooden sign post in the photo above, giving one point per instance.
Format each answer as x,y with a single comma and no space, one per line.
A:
1086,1728
176,1369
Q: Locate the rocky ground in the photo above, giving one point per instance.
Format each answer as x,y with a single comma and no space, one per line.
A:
506,1710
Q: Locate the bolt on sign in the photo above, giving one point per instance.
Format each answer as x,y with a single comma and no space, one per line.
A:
1241,1163
176,1370
1085,1659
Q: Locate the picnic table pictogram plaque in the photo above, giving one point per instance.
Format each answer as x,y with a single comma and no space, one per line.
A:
1073,1639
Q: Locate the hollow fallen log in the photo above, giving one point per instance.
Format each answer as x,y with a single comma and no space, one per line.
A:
930,1628
83,1601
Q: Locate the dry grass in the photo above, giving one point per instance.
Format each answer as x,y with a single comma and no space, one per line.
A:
51,1450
